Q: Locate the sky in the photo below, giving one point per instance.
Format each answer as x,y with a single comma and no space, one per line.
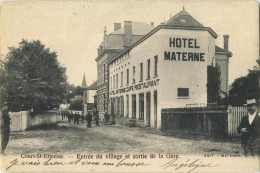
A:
74,29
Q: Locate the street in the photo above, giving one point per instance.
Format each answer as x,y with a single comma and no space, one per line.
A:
69,138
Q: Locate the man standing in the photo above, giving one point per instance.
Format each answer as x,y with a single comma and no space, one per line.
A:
250,130
97,118
5,127
106,117
89,119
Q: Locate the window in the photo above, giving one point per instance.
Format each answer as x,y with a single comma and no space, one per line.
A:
122,79
156,66
134,74
122,105
127,76
127,105
141,72
104,106
148,69
104,73
111,82
141,106
116,81
183,92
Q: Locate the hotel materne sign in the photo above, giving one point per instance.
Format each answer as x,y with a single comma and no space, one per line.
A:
184,43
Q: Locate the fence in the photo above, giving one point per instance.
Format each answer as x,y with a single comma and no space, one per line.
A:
22,120
235,115
213,121
195,120
47,118
19,120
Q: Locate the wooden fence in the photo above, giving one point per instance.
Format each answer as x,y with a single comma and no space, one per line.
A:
235,115
213,121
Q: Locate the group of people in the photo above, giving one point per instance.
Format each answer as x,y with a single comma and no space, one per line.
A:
76,117
72,117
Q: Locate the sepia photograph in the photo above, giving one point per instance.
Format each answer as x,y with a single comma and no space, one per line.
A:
129,86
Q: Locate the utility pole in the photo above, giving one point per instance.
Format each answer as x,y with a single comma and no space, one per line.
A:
1,114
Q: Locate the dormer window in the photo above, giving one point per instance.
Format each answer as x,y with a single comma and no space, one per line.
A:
183,20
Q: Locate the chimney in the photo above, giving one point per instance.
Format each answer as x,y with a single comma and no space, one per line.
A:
128,33
152,23
226,37
117,26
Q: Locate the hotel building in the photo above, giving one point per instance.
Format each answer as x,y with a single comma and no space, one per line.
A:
165,68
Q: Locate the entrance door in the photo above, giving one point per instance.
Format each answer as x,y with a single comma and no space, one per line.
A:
112,106
141,106
148,109
155,109
118,106
133,106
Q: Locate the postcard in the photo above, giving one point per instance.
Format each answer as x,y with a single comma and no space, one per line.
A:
129,86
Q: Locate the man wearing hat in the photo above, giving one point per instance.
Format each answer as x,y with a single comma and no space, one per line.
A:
249,129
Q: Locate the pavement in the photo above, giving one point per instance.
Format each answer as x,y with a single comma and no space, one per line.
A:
69,138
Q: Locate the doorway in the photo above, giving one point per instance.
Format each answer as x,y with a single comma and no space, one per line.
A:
133,106
148,109
155,109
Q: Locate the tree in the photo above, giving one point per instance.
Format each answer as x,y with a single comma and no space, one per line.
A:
213,84
243,88
72,91
32,77
76,103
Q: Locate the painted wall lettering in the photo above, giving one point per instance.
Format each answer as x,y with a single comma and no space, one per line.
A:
183,42
136,87
184,56
190,43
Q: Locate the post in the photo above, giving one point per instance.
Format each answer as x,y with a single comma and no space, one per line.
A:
1,119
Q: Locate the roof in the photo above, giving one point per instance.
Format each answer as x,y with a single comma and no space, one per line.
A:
219,50
115,40
138,28
93,86
183,18
84,83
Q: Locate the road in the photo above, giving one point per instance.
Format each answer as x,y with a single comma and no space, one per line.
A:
68,138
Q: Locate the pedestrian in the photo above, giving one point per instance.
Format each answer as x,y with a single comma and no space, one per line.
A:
77,117
97,118
70,116
74,117
106,117
89,119
82,118
5,127
62,114
249,129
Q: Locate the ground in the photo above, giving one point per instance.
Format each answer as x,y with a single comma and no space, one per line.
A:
68,138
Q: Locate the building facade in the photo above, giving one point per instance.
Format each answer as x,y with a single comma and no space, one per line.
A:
166,68
222,60
88,97
111,46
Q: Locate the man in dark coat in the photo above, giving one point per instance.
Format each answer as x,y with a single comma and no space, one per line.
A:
250,130
5,127
106,117
78,117
89,119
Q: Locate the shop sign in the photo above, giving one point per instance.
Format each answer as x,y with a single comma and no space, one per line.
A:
136,87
